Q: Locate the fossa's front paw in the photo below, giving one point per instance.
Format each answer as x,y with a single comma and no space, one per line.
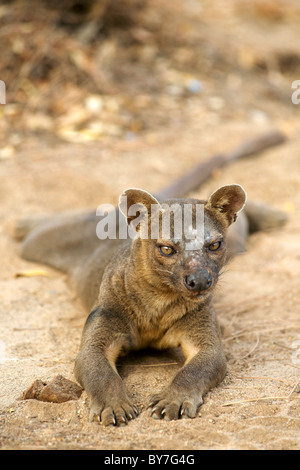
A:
170,404
113,412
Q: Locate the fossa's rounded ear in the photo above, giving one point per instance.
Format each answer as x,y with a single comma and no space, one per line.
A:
136,204
227,201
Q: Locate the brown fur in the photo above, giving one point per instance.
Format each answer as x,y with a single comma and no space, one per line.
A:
144,301
138,297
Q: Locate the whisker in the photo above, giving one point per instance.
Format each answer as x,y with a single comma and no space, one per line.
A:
164,271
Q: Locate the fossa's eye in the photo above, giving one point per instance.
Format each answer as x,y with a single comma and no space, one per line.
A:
166,250
214,246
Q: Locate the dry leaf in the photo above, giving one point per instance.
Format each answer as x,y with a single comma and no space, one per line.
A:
32,273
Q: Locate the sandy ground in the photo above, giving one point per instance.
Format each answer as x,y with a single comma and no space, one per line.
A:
258,299
257,406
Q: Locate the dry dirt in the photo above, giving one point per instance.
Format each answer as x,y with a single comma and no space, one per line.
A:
258,300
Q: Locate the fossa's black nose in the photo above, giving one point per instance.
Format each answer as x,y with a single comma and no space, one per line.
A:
198,280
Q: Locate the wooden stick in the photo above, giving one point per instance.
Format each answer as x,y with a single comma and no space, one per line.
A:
294,388
261,378
198,175
250,400
252,349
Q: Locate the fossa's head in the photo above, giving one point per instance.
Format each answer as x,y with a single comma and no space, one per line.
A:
180,244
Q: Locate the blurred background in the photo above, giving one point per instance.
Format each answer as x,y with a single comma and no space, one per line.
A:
125,70
106,94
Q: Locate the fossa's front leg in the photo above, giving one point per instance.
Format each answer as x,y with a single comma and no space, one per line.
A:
204,368
105,335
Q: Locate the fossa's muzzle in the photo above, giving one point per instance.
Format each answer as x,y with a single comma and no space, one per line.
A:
198,281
